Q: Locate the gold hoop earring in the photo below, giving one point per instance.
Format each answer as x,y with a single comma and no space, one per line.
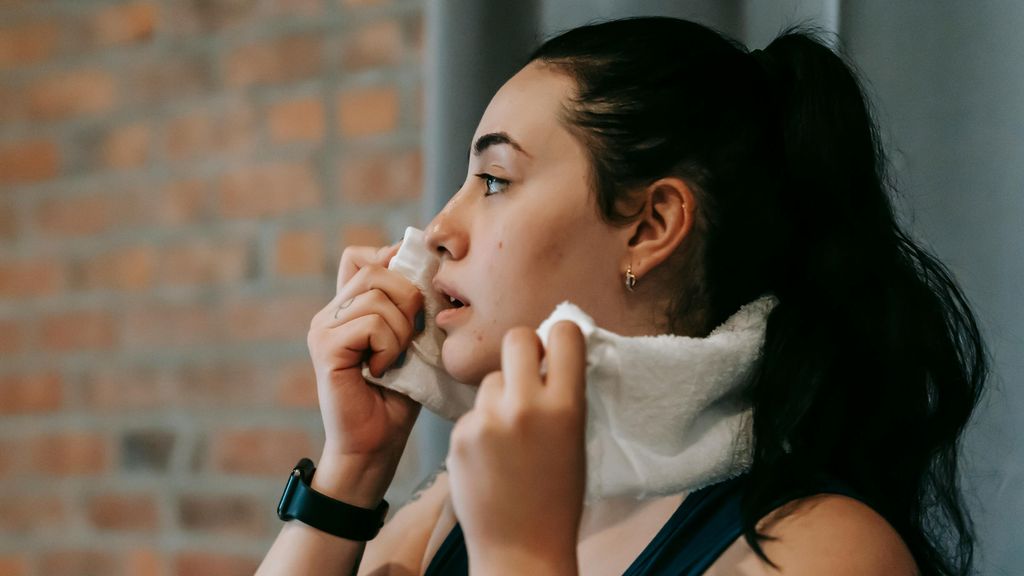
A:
630,278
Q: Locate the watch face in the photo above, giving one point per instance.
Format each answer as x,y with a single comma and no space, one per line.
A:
286,496
300,502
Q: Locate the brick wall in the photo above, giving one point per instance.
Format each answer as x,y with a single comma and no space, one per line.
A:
177,181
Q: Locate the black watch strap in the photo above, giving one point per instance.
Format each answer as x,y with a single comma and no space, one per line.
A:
300,502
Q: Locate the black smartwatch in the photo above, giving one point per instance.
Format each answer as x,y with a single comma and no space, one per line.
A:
300,502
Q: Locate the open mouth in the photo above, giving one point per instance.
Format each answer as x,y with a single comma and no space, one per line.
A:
455,302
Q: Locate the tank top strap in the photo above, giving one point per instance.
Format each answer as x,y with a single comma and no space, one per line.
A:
452,558
704,525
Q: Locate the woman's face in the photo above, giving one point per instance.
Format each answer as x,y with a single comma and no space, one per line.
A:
523,233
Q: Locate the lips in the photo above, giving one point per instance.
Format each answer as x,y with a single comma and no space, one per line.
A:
450,294
448,318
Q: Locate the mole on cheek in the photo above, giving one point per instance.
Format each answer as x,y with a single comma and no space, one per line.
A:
500,244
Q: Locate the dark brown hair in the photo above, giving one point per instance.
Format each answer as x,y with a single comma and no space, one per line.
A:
873,361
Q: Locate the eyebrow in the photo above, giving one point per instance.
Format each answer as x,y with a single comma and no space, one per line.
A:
493,139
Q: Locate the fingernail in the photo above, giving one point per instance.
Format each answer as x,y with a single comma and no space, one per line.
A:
401,360
420,321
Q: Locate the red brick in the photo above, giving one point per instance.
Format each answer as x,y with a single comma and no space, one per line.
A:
259,451
77,563
300,120
70,454
168,76
27,44
13,336
165,325
29,161
8,222
227,384
362,235
80,215
199,261
74,93
119,387
123,512
292,8
275,61
214,564
418,38
126,146
382,177
146,450
296,385
421,108
182,202
13,565
222,514
208,16
30,277
78,330
124,23
269,190
30,392
12,101
368,111
279,318
375,45
12,456
211,132
31,513
300,253
143,562
130,268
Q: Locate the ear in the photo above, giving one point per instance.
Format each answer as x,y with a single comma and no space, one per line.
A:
666,220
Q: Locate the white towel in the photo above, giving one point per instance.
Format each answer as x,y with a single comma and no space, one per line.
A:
665,414
422,377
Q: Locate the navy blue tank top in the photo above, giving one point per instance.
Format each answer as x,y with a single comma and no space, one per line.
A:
706,523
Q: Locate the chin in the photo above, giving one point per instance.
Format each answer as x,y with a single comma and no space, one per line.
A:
464,362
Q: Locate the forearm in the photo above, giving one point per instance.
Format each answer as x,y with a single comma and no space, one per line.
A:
301,549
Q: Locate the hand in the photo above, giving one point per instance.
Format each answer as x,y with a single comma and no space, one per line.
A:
517,464
371,317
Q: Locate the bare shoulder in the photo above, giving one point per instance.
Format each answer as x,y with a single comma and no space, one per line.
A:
401,543
823,534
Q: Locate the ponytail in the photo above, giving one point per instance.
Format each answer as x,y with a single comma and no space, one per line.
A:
873,361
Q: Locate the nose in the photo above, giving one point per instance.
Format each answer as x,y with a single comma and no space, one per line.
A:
447,233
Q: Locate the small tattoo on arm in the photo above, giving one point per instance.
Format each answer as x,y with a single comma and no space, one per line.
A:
426,484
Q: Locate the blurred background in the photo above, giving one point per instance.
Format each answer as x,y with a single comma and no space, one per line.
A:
178,179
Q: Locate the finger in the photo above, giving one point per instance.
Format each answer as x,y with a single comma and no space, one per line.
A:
520,363
385,254
490,392
353,259
366,335
399,289
567,363
373,301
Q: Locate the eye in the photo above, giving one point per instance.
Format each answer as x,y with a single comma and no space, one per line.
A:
494,185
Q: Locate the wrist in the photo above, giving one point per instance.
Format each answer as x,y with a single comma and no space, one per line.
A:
355,479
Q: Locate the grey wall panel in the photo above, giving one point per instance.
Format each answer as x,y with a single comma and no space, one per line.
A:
948,80
764,19
724,15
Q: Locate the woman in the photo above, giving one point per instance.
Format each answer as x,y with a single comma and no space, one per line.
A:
655,152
